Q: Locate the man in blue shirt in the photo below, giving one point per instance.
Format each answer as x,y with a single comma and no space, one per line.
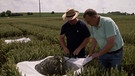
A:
76,33
106,34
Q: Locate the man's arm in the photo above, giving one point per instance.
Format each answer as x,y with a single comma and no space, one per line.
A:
93,46
63,44
83,44
108,46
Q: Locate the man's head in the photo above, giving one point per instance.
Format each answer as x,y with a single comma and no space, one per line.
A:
70,15
91,17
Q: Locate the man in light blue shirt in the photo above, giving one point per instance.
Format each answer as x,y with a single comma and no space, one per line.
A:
106,34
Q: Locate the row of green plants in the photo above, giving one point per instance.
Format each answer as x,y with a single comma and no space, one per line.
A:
7,30
44,33
40,47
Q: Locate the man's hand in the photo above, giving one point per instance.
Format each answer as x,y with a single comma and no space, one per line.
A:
88,55
76,52
95,55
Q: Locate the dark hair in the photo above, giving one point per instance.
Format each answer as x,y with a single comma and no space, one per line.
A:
90,12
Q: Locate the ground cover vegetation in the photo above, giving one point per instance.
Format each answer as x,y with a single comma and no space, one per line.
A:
44,33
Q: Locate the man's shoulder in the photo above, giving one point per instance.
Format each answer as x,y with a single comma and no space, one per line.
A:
65,24
105,19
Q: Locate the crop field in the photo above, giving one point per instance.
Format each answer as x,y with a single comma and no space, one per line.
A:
44,35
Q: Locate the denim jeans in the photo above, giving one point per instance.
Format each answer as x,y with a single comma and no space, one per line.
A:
111,60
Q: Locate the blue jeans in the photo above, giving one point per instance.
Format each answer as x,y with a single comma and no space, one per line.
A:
111,60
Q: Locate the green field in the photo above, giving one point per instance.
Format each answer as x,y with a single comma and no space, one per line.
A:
44,33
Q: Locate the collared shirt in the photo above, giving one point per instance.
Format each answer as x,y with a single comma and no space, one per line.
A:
107,28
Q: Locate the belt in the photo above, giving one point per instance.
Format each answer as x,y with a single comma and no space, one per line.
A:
117,51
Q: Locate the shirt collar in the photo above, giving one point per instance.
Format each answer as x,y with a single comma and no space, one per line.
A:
100,23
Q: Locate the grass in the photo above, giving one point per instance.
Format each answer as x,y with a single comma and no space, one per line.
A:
44,33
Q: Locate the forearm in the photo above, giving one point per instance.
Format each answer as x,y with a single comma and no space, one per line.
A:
62,41
63,44
108,46
84,43
93,46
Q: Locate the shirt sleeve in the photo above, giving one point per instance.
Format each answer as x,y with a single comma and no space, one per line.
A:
62,30
91,32
86,31
110,28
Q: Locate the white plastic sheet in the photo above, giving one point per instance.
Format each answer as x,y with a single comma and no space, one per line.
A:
24,39
27,68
